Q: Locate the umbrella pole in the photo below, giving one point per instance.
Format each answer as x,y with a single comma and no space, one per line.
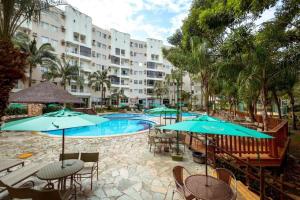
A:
165,118
206,159
63,149
160,118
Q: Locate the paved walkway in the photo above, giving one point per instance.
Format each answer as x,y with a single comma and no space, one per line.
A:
127,170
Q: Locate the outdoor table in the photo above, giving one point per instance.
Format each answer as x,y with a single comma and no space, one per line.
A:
214,190
54,171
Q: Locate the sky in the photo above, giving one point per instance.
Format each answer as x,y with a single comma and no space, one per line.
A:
141,18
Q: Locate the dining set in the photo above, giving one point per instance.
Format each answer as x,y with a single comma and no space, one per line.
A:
163,141
62,177
189,186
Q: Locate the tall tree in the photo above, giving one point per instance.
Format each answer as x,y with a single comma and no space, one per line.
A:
160,90
36,55
101,80
13,13
62,69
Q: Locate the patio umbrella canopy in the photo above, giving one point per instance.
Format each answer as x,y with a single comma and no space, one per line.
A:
162,110
214,126
59,120
44,92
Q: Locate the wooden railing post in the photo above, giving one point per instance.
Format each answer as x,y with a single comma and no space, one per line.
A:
281,186
247,172
262,183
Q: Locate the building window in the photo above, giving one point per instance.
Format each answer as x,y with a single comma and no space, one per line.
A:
117,51
99,44
140,82
122,52
135,82
141,91
104,35
73,88
76,37
44,40
81,88
104,46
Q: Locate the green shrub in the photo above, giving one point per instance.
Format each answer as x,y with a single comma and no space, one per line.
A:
48,109
15,111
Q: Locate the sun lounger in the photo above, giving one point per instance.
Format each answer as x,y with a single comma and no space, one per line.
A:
7,164
21,174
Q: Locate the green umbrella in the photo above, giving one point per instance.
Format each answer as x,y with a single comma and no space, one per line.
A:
213,126
59,120
162,110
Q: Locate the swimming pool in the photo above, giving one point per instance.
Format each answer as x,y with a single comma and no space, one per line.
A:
109,128
118,124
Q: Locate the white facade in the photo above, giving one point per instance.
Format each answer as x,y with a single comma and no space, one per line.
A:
134,66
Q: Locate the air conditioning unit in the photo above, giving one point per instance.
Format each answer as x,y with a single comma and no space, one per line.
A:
63,42
63,29
34,34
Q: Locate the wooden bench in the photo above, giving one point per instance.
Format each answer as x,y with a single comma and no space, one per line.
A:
15,177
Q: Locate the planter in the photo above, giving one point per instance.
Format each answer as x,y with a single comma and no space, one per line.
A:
198,157
177,157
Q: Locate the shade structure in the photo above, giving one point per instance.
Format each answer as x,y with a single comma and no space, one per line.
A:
45,92
59,120
214,126
207,118
162,110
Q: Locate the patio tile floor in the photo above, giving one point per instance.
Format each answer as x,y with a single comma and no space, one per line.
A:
127,170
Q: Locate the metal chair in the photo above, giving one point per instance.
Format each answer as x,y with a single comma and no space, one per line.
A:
153,141
68,156
228,177
53,194
88,171
179,182
22,192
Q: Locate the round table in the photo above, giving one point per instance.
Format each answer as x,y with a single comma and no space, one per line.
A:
214,190
54,171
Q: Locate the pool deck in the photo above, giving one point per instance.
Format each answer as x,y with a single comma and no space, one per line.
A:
127,170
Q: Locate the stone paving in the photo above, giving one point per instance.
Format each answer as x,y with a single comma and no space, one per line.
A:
127,170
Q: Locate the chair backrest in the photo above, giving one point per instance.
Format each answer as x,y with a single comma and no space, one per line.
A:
226,176
89,157
20,193
46,195
178,176
182,137
68,156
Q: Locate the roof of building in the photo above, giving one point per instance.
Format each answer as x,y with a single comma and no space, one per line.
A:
45,92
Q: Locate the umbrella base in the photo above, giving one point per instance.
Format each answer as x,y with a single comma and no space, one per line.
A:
177,157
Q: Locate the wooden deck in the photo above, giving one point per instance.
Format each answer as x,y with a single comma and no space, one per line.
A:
257,152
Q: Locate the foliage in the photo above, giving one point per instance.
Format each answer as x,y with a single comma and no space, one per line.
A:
62,69
100,80
15,111
36,55
47,109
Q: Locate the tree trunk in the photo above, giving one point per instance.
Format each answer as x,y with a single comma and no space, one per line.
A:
12,69
251,111
104,96
30,75
206,98
101,95
294,117
277,103
264,94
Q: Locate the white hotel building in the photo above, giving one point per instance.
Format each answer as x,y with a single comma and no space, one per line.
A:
134,66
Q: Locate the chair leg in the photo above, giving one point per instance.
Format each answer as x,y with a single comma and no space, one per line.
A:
173,194
92,181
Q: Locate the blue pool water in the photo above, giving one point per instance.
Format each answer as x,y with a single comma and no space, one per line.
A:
118,124
108,128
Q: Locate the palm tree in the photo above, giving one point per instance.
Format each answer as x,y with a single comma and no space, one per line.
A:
12,61
36,56
201,62
63,69
100,79
160,89
13,13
